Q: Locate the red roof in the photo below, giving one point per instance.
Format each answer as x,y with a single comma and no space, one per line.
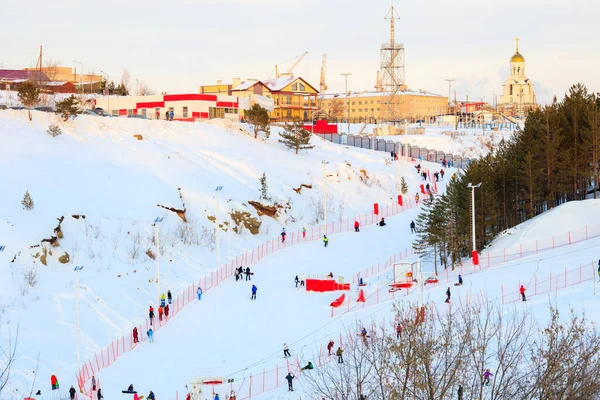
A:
21,75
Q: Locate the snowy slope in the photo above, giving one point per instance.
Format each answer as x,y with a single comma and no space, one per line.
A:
98,169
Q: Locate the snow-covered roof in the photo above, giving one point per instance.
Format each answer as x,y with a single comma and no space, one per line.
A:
279,83
246,85
377,94
18,75
55,83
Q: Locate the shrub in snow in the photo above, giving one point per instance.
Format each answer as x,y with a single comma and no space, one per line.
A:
29,95
403,186
27,201
151,254
263,186
295,137
54,130
68,108
259,118
65,258
30,276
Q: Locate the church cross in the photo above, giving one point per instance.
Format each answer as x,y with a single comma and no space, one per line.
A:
517,40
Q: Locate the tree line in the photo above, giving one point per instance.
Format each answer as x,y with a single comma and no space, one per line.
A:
554,159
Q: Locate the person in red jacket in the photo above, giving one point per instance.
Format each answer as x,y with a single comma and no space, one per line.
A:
161,311
167,311
135,335
54,382
356,226
330,346
522,291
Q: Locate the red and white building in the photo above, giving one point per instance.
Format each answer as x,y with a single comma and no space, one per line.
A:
185,107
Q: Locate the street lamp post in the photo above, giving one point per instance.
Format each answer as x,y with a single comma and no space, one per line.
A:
77,321
106,92
217,190
346,75
325,193
474,253
80,77
449,80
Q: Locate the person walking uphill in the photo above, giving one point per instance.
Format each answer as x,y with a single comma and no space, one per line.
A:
169,297
413,227
338,353
356,226
151,314
248,274
286,351
54,382
72,392
150,334
161,311
283,235
199,293
135,335
290,377
448,295
254,289
522,291
325,240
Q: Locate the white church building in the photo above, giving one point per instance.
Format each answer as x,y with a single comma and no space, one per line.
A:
518,96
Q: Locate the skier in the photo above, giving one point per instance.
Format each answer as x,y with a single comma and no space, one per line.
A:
486,377
151,394
150,334
297,280
289,378
398,330
364,335
135,335
283,235
330,275
163,300
167,311
54,382
330,346
460,280
308,366
444,163
413,227
448,295
99,394
286,351
325,240
418,167
254,289
169,297
248,273
302,279
130,388
216,396
382,222
161,311
460,392
303,232
417,197
356,226
522,291
437,176
93,383
151,314
442,173
72,392
240,271
199,293
338,353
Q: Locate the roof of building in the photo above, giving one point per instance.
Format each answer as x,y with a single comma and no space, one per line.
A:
15,75
517,57
277,84
56,83
247,84
377,94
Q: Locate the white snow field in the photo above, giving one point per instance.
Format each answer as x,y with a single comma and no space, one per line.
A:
98,169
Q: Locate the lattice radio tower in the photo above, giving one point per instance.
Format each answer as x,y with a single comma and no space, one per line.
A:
392,68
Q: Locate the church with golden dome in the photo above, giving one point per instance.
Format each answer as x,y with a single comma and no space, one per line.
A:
518,96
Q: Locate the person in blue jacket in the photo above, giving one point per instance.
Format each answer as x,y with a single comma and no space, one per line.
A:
254,289
199,293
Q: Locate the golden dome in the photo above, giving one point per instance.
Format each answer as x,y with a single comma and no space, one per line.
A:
517,58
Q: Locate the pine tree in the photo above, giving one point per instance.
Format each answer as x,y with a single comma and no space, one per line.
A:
295,137
69,107
29,95
259,117
27,201
263,186
403,186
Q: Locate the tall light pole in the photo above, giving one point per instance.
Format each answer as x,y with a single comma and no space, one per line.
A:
156,221
482,116
106,93
218,189
325,193
449,80
474,253
80,77
346,75
77,321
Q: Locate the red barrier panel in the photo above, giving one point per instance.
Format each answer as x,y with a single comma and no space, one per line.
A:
325,285
338,302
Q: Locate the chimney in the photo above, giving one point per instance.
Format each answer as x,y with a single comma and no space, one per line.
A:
235,82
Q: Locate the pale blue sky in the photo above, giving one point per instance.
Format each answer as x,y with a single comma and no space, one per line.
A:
178,45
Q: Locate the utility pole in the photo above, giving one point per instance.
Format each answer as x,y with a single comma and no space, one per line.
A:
346,75
325,192
449,80
80,78
474,253
482,116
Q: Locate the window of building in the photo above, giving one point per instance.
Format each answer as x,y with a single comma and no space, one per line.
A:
372,109
295,86
371,101
378,109
185,112
378,102
144,112
353,110
360,110
288,113
352,103
115,113
302,87
129,112
359,103
511,90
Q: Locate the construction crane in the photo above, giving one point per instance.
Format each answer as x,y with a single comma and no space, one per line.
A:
289,71
322,84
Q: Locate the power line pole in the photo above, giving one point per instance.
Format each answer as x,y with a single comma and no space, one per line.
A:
449,80
346,75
